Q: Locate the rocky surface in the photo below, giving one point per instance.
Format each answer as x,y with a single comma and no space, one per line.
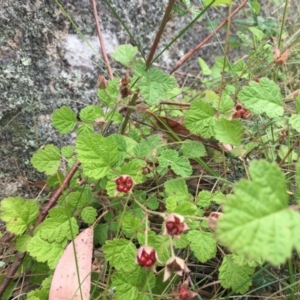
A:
44,64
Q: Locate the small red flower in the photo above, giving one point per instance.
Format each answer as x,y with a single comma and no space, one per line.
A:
174,225
124,184
240,112
183,291
146,257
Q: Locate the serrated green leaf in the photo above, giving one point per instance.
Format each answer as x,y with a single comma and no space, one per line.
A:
179,164
44,251
171,203
294,121
223,105
88,215
67,151
199,119
193,149
186,209
204,199
181,242
235,277
124,54
134,168
141,150
154,85
97,154
204,67
85,129
100,233
229,132
177,189
46,160
130,224
18,214
152,203
257,221
58,229
64,119
262,97
297,178
90,113
121,254
134,284
22,241
55,180
75,200
203,244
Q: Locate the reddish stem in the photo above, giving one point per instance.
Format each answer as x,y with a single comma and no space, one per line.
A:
203,42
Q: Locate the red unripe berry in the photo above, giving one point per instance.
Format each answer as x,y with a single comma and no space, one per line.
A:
146,257
124,184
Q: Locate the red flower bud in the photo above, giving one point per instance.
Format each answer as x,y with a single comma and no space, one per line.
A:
174,225
146,257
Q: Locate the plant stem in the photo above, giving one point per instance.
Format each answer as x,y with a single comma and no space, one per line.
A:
203,42
129,111
161,29
102,46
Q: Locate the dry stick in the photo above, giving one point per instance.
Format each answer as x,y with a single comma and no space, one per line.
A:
203,42
110,73
161,29
289,152
42,215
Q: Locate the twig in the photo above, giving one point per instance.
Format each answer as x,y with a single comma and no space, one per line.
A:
203,42
161,29
42,215
102,46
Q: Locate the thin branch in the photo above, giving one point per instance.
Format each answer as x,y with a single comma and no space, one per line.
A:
209,37
102,46
42,215
161,29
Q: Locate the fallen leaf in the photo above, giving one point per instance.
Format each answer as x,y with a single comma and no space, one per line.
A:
66,284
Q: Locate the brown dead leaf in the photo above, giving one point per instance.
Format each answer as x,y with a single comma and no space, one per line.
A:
65,284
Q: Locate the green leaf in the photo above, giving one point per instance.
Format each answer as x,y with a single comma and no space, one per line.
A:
121,254
204,199
193,149
88,214
217,2
141,150
97,154
179,164
297,177
64,119
294,121
203,244
18,214
124,54
58,227
75,200
262,97
100,233
257,221
90,113
204,67
45,251
154,85
133,285
229,132
257,33
178,189
186,209
181,242
85,129
67,151
110,95
130,224
235,277
46,160
22,241
199,119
